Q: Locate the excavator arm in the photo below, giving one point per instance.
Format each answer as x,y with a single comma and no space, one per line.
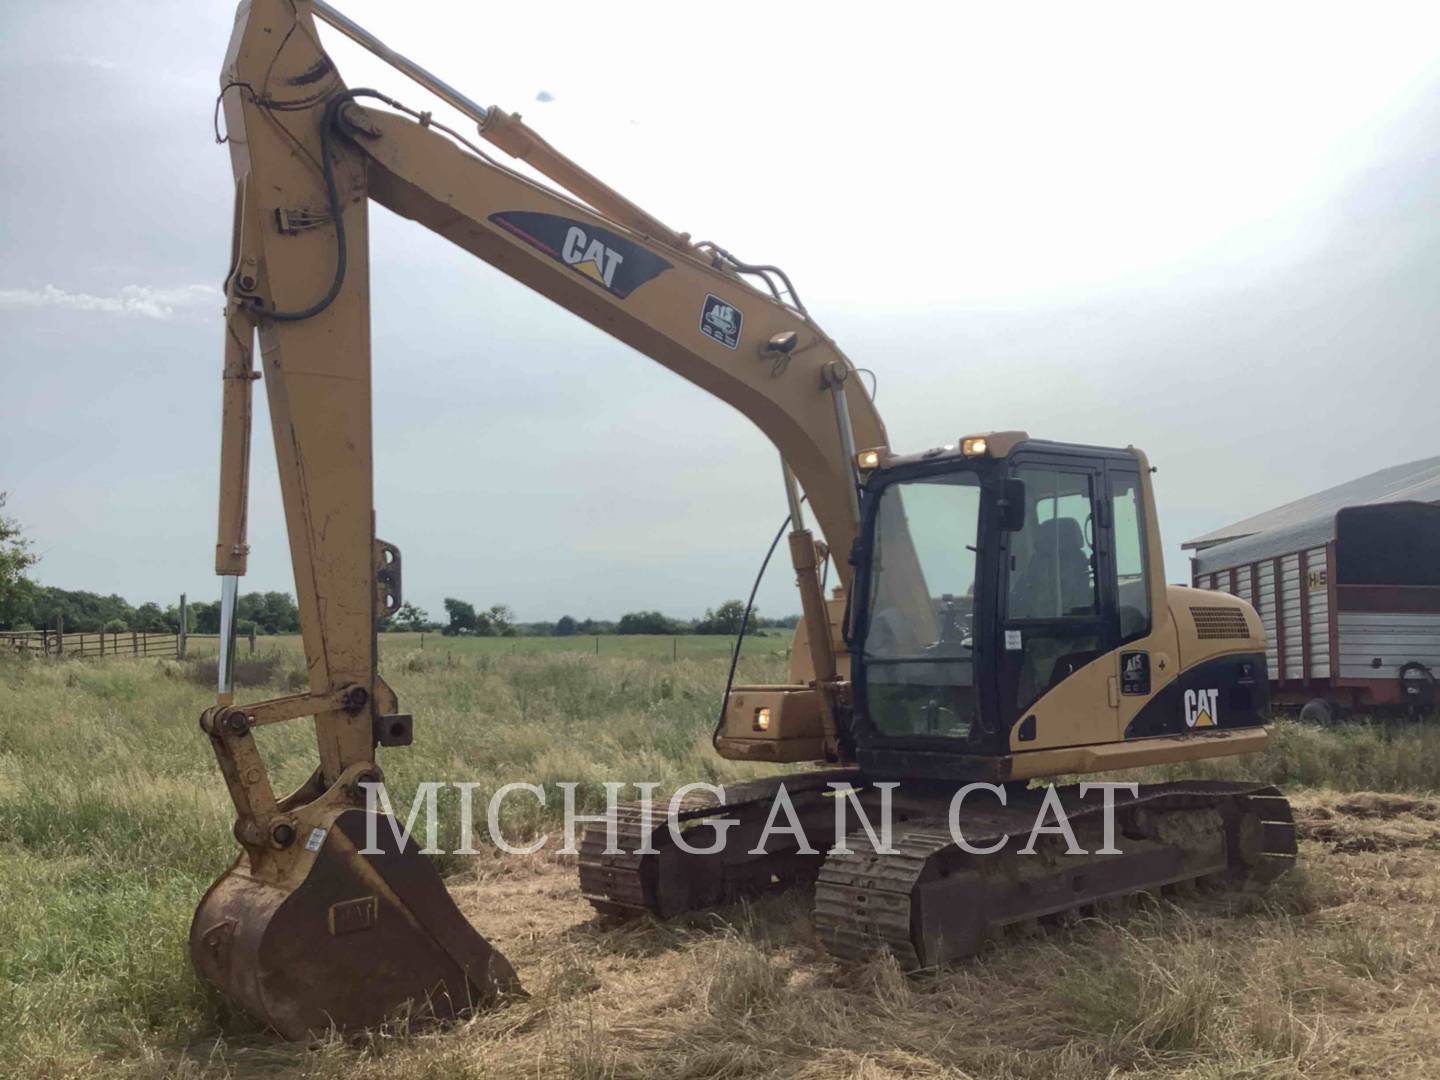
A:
308,154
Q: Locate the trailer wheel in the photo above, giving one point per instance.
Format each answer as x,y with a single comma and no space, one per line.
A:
1417,689
1320,712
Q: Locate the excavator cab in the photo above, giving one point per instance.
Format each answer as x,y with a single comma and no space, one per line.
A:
1010,600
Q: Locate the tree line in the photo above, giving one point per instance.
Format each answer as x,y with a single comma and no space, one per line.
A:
464,618
27,605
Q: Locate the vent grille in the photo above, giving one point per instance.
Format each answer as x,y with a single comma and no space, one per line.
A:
1219,622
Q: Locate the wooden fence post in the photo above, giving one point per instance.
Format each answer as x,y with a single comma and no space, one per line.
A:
181,641
252,640
597,646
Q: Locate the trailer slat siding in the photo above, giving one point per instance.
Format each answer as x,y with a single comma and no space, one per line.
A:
1305,616
1334,609
1318,598
1393,639
1277,583
1266,607
1290,615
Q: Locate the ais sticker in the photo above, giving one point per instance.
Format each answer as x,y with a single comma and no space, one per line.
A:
720,321
1013,642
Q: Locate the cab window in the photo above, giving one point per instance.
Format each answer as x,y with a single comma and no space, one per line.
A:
1052,619
1052,573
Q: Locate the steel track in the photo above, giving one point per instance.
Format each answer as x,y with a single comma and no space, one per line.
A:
925,900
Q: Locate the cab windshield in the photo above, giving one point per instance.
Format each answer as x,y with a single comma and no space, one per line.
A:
918,651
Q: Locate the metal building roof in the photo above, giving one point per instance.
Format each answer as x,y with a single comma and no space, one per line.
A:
1310,521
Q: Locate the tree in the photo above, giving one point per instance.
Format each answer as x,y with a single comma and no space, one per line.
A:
502,620
784,622
646,622
725,619
172,618
410,617
462,617
81,610
149,617
15,559
278,613
567,626
206,617
271,612
18,604
114,626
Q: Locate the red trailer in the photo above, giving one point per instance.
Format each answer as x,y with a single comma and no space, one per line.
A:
1348,588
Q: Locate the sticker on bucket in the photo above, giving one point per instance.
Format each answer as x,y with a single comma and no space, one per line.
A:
317,837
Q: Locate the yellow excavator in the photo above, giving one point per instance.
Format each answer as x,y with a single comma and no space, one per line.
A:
1000,612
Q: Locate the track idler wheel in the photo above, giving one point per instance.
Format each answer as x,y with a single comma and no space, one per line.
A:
356,941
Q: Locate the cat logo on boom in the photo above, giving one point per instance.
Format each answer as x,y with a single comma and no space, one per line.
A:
615,264
591,257
1202,708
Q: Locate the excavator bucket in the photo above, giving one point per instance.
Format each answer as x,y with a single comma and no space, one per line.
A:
356,941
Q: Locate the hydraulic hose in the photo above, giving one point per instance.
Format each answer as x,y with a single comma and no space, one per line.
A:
328,124
744,623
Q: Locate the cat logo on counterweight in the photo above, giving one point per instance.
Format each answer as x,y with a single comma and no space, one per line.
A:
1202,708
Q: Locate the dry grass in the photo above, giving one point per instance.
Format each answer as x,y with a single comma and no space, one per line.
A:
112,821
1336,972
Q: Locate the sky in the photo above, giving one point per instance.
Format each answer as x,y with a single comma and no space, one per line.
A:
1208,230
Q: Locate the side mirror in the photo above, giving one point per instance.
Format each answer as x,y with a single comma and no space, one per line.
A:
1012,505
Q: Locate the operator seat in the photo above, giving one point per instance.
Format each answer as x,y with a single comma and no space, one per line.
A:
1057,577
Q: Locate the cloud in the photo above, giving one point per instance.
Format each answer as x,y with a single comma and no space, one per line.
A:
544,95
99,63
148,301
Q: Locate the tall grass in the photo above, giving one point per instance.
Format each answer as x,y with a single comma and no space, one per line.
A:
114,818
1359,756
113,821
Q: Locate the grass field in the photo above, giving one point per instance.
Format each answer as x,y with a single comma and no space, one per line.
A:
113,820
624,646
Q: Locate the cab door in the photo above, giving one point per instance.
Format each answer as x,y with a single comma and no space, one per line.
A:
1147,648
1056,669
